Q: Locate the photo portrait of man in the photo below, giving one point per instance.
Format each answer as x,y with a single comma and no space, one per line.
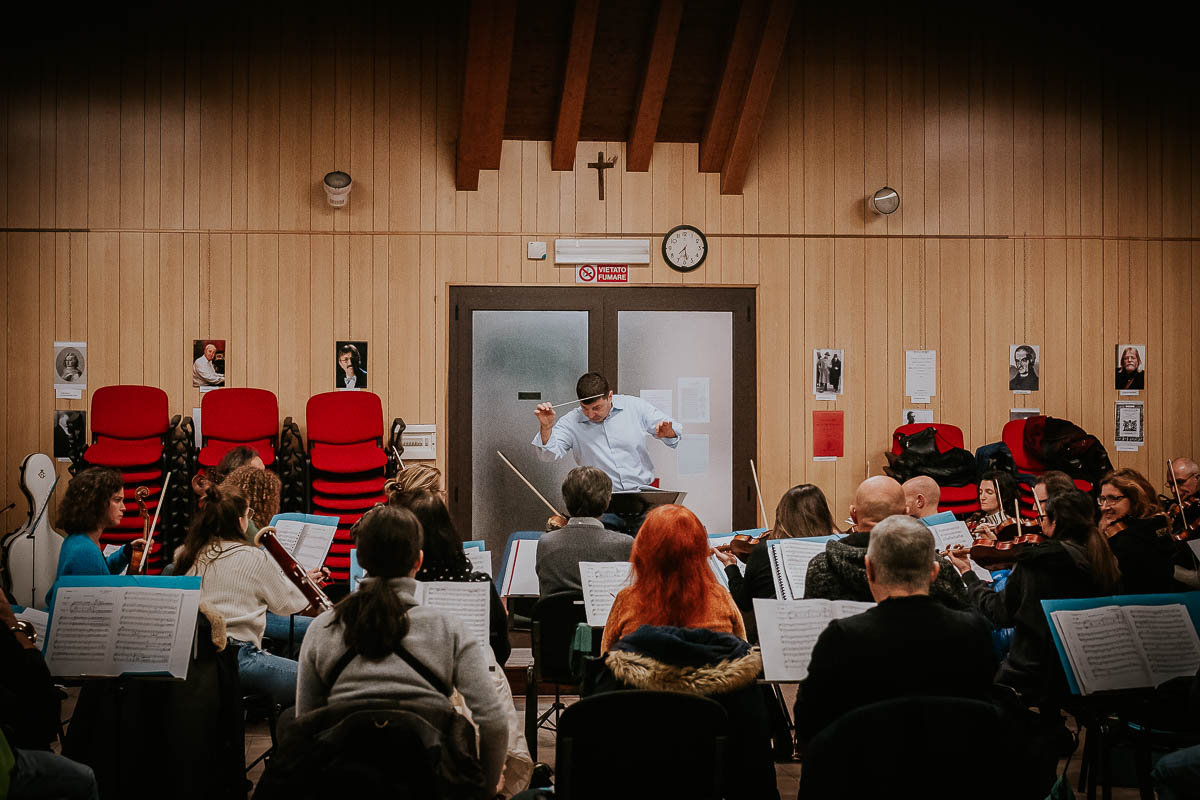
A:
1131,367
351,371
1023,368
68,432
68,365
209,367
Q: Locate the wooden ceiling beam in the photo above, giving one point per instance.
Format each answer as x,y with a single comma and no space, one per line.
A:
746,125
570,106
654,86
722,116
486,66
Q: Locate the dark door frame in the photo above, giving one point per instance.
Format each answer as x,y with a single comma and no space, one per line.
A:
602,305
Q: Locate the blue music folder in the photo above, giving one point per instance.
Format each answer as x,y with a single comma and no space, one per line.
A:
1190,600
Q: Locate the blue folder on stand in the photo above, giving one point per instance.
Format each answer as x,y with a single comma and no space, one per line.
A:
1191,600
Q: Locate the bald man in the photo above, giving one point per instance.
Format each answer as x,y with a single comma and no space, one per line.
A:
1187,475
840,573
921,496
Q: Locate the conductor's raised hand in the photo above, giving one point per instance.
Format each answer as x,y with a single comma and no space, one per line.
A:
665,430
545,414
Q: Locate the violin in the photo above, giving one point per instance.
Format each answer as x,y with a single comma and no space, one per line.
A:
1184,515
139,559
995,554
742,545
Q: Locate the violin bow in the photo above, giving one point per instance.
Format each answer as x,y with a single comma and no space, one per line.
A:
532,488
150,533
758,490
1178,496
1038,504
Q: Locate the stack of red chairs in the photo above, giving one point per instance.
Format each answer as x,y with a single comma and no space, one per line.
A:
1029,464
346,464
960,500
130,425
231,418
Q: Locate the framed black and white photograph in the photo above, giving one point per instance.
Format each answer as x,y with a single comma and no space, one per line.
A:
351,369
829,373
1024,368
208,365
69,428
70,369
1131,368
911,416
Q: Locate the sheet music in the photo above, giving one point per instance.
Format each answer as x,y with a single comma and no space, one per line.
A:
790,557
601,582
467,601
110,630
520,572
788,630
38,619
481,560
951,534
1168,638
1102,649
307,542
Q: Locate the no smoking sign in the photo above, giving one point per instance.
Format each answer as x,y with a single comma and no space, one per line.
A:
602,273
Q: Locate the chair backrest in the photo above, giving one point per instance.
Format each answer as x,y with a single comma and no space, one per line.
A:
239,415
911,741
552,627
1013,435
344,417
667,744
129,412
946,437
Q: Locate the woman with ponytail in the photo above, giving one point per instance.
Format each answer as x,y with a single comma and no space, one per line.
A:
242,583
1076,562
378,644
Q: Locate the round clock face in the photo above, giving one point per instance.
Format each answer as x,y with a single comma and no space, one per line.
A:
684,248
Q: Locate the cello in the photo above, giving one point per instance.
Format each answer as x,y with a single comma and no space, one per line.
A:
30,553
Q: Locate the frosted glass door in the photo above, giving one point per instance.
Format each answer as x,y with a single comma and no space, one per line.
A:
684,359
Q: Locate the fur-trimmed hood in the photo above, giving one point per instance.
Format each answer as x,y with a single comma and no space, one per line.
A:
691,660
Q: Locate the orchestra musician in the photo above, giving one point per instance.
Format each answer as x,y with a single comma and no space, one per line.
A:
94,500
586,492
607,431
997,495
1135,533
1184,474
242,583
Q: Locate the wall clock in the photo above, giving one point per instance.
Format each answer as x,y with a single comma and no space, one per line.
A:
684,248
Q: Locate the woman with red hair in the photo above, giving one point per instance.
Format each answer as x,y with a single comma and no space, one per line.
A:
672,582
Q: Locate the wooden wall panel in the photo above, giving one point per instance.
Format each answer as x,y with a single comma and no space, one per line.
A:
176,193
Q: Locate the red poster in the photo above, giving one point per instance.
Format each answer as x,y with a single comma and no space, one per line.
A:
827,436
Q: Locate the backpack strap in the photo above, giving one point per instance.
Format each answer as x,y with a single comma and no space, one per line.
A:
400,650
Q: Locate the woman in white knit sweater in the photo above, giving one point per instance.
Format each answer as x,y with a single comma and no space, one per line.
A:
242,583
354,651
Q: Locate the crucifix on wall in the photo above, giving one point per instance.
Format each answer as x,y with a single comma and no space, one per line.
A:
600,165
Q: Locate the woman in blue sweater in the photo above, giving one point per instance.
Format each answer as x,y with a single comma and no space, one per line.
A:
94,501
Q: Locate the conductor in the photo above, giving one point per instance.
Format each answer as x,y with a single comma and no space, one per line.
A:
607,431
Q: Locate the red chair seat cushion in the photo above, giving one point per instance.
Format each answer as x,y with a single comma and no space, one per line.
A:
355,503
345,458
108,452
368,486
959,494
143,475
212,453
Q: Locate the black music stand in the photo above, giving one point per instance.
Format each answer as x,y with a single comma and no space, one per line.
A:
631,508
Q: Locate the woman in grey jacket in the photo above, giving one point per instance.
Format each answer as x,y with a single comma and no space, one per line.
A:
356,651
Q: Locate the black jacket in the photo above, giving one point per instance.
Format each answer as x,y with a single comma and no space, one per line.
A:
757,582
1053,570
840,573
1145,558
905,646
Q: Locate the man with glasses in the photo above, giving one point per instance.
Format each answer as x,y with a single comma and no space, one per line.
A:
1186,474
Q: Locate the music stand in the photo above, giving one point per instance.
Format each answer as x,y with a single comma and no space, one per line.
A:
641,501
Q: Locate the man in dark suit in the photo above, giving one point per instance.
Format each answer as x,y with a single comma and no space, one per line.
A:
909,644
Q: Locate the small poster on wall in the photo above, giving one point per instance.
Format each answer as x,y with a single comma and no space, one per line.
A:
351,370
1131,368
912,416
70,370
1024,368
1130,425
828,435
828,373
208,366
69,427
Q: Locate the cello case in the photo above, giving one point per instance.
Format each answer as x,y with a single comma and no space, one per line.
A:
30,553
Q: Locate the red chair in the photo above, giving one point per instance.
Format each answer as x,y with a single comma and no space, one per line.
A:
232,418
1013,436
946,437
129,429
346,464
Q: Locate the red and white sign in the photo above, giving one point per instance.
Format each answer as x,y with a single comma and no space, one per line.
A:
602,273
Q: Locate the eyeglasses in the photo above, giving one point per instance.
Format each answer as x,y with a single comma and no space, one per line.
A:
1170,484
1111,499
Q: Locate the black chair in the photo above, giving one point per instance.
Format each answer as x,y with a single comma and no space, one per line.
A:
656,744
262,706
552,627
920,747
